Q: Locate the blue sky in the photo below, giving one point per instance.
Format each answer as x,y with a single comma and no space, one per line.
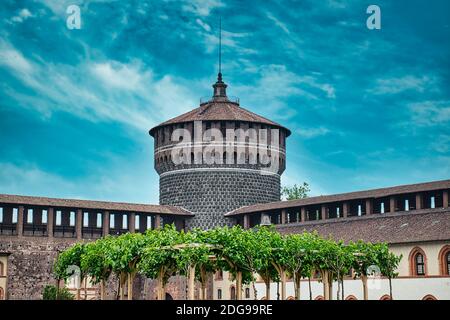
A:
367,108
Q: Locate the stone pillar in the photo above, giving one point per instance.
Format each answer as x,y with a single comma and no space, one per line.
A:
105,223
79,224
369,206
283,216
303,214
132,220
445,199
20,221
323,210
50,221
246,221
392,204
419,204
344,210
157,221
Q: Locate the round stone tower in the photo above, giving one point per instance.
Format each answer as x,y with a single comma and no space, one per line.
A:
217,158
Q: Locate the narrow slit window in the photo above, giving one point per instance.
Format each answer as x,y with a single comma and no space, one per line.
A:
58,217
136,222
382,207
30,216
359,210
1,215
124,221
149,222
85,219
111,221
432,202
15,215
44,216
338,212
99,220
406,205
72,219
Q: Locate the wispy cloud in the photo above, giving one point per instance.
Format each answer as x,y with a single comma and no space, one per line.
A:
405,83
278,23
430,113
312,132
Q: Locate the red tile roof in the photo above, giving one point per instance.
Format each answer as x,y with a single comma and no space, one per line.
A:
220,110
374,193
92,204
404,227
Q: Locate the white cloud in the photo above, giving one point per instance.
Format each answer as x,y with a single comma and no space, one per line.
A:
429,113
23,15
399,84
204,25
312,132
278,23
98,91
202,7
13,59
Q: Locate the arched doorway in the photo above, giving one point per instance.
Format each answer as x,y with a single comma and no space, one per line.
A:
319,298
351,297
429,297
168,296
233,293
385,297
2,294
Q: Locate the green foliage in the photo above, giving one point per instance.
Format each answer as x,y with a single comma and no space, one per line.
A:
162,253
296,191
67,259
49,293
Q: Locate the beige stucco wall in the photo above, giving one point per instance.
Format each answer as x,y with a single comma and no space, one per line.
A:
3,278
431,250
406,287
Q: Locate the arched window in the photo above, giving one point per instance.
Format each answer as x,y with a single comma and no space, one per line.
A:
319,298
2,269
444,261
418,262
385,297
247,293
232,293
351,297
429,297
2,294
219,294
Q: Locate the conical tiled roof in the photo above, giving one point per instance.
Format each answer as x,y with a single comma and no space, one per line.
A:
220,108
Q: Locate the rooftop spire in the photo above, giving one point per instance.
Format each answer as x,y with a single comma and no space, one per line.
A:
220,86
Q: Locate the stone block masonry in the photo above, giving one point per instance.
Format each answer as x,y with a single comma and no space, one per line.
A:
210,194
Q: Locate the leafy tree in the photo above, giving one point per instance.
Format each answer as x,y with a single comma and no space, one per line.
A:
195,259
365,255
388,263
296,191
53,293
68,262
236,254
95,262
159,256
